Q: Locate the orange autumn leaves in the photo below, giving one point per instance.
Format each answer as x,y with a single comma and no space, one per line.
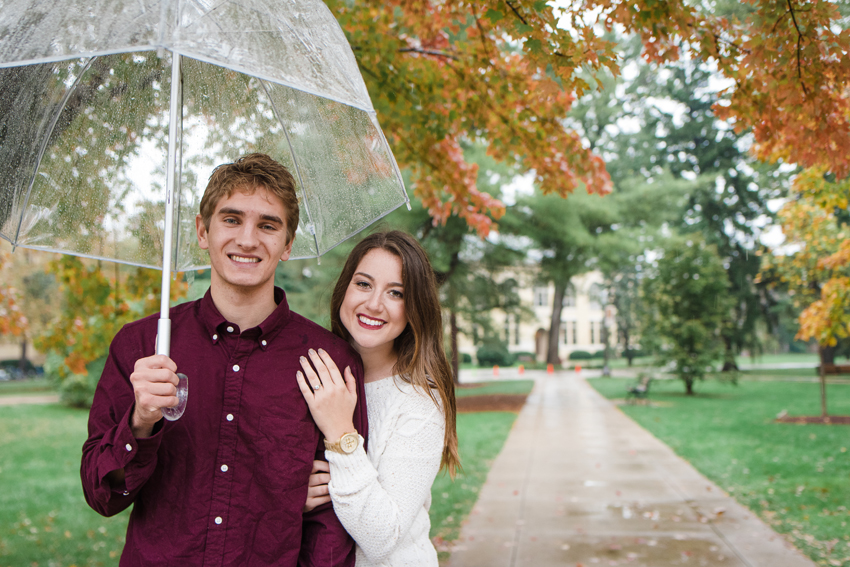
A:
12,320
508,71
442,73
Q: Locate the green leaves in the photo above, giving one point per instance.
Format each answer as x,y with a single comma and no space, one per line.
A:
494,15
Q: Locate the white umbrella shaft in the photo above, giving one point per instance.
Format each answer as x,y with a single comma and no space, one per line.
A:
163,342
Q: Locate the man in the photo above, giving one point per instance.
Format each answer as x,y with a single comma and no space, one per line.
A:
226,483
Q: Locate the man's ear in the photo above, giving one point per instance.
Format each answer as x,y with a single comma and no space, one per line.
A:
285,256
202,233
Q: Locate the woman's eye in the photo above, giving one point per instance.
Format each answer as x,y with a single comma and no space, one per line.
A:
398,294
362,284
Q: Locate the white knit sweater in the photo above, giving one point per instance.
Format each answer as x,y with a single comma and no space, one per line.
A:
382,498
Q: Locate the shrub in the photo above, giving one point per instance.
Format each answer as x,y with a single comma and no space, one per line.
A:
525,356
494,354
580,355
465,358
598,354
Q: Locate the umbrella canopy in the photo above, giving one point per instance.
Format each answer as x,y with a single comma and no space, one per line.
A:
91,90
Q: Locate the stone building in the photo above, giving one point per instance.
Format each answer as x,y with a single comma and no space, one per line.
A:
582,318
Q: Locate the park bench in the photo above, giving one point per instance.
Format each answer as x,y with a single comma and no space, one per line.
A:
834,369
640,390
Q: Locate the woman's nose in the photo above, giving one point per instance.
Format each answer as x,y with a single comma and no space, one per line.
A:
374,302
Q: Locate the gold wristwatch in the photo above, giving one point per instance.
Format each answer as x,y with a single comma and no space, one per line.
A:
346,445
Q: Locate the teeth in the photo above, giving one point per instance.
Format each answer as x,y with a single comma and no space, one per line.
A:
370,322
244,260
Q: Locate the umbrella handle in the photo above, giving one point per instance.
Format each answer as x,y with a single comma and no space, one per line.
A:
163,346
174,413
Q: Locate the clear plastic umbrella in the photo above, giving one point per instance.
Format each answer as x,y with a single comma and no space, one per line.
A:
114,113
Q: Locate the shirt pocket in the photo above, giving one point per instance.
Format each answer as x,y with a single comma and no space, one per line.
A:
285,452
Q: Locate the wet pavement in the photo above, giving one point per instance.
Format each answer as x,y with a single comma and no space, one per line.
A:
29,399
579,484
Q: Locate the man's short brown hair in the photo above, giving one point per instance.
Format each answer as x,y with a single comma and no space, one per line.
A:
247,174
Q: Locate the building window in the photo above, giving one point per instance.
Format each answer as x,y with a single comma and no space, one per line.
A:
507,329
563,333
541,296
569,297
592,332
595,296
516,329
575,332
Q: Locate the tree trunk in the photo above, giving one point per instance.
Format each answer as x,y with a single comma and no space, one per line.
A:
453,340
689,385
22,363
555,323
627,346
729,363
827,356
606,350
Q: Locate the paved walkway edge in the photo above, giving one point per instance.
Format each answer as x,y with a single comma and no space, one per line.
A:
550,496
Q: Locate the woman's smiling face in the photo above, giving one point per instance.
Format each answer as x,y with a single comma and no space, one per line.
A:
373,308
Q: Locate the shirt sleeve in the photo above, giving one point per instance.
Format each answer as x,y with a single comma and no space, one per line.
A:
379,505
324,540
110,445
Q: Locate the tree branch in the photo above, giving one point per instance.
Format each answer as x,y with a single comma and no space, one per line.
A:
799,48
428,52
515,11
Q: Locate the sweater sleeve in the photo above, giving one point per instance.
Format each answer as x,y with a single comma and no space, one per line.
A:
378,506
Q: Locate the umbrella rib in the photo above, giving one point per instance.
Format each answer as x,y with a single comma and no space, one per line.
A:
311,225
392,157
45,140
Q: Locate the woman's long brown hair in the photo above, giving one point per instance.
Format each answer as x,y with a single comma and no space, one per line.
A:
421,358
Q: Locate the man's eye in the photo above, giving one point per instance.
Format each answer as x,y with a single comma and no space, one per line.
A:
231,220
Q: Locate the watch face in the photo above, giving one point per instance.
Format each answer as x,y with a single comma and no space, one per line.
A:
349,442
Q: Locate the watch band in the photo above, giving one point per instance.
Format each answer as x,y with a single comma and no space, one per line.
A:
346,444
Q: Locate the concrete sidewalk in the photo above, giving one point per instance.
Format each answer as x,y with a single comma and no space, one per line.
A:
580,484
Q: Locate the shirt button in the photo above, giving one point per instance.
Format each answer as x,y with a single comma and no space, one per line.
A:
128,447
263,342
218,520
215,337
223,468
230,417
230,329
236,368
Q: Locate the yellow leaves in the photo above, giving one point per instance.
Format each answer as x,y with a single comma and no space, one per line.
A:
818,272
828,318
96,306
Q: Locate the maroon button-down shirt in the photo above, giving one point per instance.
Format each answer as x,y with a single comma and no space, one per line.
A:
226,483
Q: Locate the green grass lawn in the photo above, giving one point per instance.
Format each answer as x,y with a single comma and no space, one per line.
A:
796,477
44,520
500,387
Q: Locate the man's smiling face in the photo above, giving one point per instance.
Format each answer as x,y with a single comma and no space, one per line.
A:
246,238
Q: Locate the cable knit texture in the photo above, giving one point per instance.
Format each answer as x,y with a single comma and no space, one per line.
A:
382,498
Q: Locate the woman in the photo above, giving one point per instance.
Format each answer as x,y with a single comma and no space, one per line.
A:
385,304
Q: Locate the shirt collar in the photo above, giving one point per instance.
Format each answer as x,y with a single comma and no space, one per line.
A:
215,324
